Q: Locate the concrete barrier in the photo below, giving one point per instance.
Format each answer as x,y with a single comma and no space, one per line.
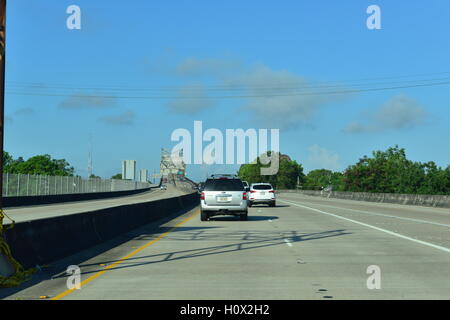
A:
6,268
409,199
9,202
40,242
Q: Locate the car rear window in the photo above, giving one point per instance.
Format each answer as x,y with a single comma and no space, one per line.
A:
224,185
262,187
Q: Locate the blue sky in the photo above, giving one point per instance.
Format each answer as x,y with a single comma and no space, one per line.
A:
177,49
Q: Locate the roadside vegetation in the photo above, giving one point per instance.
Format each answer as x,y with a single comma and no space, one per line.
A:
37,165
384,172
289,174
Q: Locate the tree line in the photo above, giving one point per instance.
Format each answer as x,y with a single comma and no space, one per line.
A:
384,172
42,165
37,165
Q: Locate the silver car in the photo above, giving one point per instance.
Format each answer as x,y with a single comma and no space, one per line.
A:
223,195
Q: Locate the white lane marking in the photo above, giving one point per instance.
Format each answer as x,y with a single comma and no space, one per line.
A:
383,215
288,242
373,227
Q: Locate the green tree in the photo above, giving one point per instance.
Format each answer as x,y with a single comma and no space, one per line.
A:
391,172
436,181
117,176
41,165
7,159
322,178
286,178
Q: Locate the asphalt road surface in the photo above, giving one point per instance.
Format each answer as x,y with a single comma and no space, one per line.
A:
47,211
305,248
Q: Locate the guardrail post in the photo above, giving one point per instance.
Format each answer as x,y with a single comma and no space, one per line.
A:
18,185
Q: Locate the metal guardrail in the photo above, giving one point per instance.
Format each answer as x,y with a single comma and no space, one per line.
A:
15,185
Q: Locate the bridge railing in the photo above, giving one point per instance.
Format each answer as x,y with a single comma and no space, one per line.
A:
15,185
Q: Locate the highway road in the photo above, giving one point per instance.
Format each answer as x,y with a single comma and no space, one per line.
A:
305,248
46,211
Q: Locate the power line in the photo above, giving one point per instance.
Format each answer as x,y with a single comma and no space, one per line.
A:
344,91
232,85
234,88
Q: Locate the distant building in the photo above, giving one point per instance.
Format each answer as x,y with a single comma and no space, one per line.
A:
129,169
143,175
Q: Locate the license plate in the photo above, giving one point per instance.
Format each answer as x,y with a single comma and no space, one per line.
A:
223,199
263,193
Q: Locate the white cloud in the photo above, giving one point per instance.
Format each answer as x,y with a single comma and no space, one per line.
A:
18,113
207,67
86,101
274,98
167,64
124,119
190,99
280,99
24,112
400,112
321,158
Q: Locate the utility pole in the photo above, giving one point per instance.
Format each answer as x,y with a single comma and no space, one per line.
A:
5,252
90,165
2,89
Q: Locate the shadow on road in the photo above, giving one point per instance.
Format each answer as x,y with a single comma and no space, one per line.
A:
58,268
233,241
241,241
237,219
266,206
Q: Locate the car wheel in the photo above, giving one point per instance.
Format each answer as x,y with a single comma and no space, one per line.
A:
204,216
273,204
250,204
244,216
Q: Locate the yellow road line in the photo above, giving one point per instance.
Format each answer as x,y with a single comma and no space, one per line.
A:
98,274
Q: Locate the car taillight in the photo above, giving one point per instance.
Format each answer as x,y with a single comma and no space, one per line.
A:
202,196
252,191
272,191
244,196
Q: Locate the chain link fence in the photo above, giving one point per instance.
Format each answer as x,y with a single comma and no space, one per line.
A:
15,185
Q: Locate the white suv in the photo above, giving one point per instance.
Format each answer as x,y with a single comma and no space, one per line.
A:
223,195
262,193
